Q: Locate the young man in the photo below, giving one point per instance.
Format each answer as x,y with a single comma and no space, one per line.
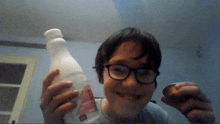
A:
127,65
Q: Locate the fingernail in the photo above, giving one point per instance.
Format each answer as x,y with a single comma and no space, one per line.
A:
57,71
177,85
75,90
69,81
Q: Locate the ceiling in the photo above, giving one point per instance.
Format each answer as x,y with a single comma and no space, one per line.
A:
175,23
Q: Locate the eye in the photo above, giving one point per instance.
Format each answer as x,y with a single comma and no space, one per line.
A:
143,72
118,69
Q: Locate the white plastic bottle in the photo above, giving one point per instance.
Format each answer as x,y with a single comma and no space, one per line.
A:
70,70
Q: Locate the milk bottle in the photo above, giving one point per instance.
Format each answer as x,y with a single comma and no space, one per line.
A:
70,70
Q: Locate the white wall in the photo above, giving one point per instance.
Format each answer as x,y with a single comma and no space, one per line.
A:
177,65
211,71
84,53
187,64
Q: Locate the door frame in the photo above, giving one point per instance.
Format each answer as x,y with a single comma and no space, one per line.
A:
22,95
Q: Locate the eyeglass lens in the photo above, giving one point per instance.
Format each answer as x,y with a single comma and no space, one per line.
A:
121,72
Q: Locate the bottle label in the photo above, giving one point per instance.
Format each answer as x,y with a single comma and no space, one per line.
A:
86,109
87,102
82,118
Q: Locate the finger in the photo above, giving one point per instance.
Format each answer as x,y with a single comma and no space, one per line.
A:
200,116
49,79
170,102
182,84
54,90
192,104
67,107
192,91
62,99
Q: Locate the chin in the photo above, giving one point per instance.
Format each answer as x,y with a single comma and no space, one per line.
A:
130,112
129,108
127,115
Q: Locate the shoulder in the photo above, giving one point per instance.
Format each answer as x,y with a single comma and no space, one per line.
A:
158,114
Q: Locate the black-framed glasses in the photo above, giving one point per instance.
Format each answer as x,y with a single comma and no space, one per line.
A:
122,72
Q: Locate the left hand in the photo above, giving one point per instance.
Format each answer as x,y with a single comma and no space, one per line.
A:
196,106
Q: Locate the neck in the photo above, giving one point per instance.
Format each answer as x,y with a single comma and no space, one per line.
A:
111,114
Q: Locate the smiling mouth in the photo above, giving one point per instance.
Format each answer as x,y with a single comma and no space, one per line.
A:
130,96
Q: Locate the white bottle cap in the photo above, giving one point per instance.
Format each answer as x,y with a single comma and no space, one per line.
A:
53,33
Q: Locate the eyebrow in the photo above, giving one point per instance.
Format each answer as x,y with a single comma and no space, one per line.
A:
117,62
123,62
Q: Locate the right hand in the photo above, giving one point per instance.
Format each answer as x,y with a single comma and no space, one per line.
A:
57,99
194,104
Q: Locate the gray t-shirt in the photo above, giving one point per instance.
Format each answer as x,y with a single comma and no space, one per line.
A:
152,113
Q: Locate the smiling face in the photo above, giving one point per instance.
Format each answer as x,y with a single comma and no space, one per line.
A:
126,98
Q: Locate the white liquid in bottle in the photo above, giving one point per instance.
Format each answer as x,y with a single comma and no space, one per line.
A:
70,70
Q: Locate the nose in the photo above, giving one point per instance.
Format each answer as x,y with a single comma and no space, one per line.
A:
131,80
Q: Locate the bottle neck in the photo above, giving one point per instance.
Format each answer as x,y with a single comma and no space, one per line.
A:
57,48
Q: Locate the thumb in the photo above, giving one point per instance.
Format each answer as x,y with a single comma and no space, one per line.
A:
166,100
163,99
169,102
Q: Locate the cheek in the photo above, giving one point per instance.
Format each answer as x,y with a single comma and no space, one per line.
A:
152,88
109,86
107,82
149,90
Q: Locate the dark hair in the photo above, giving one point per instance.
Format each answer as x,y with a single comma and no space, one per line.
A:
149,44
